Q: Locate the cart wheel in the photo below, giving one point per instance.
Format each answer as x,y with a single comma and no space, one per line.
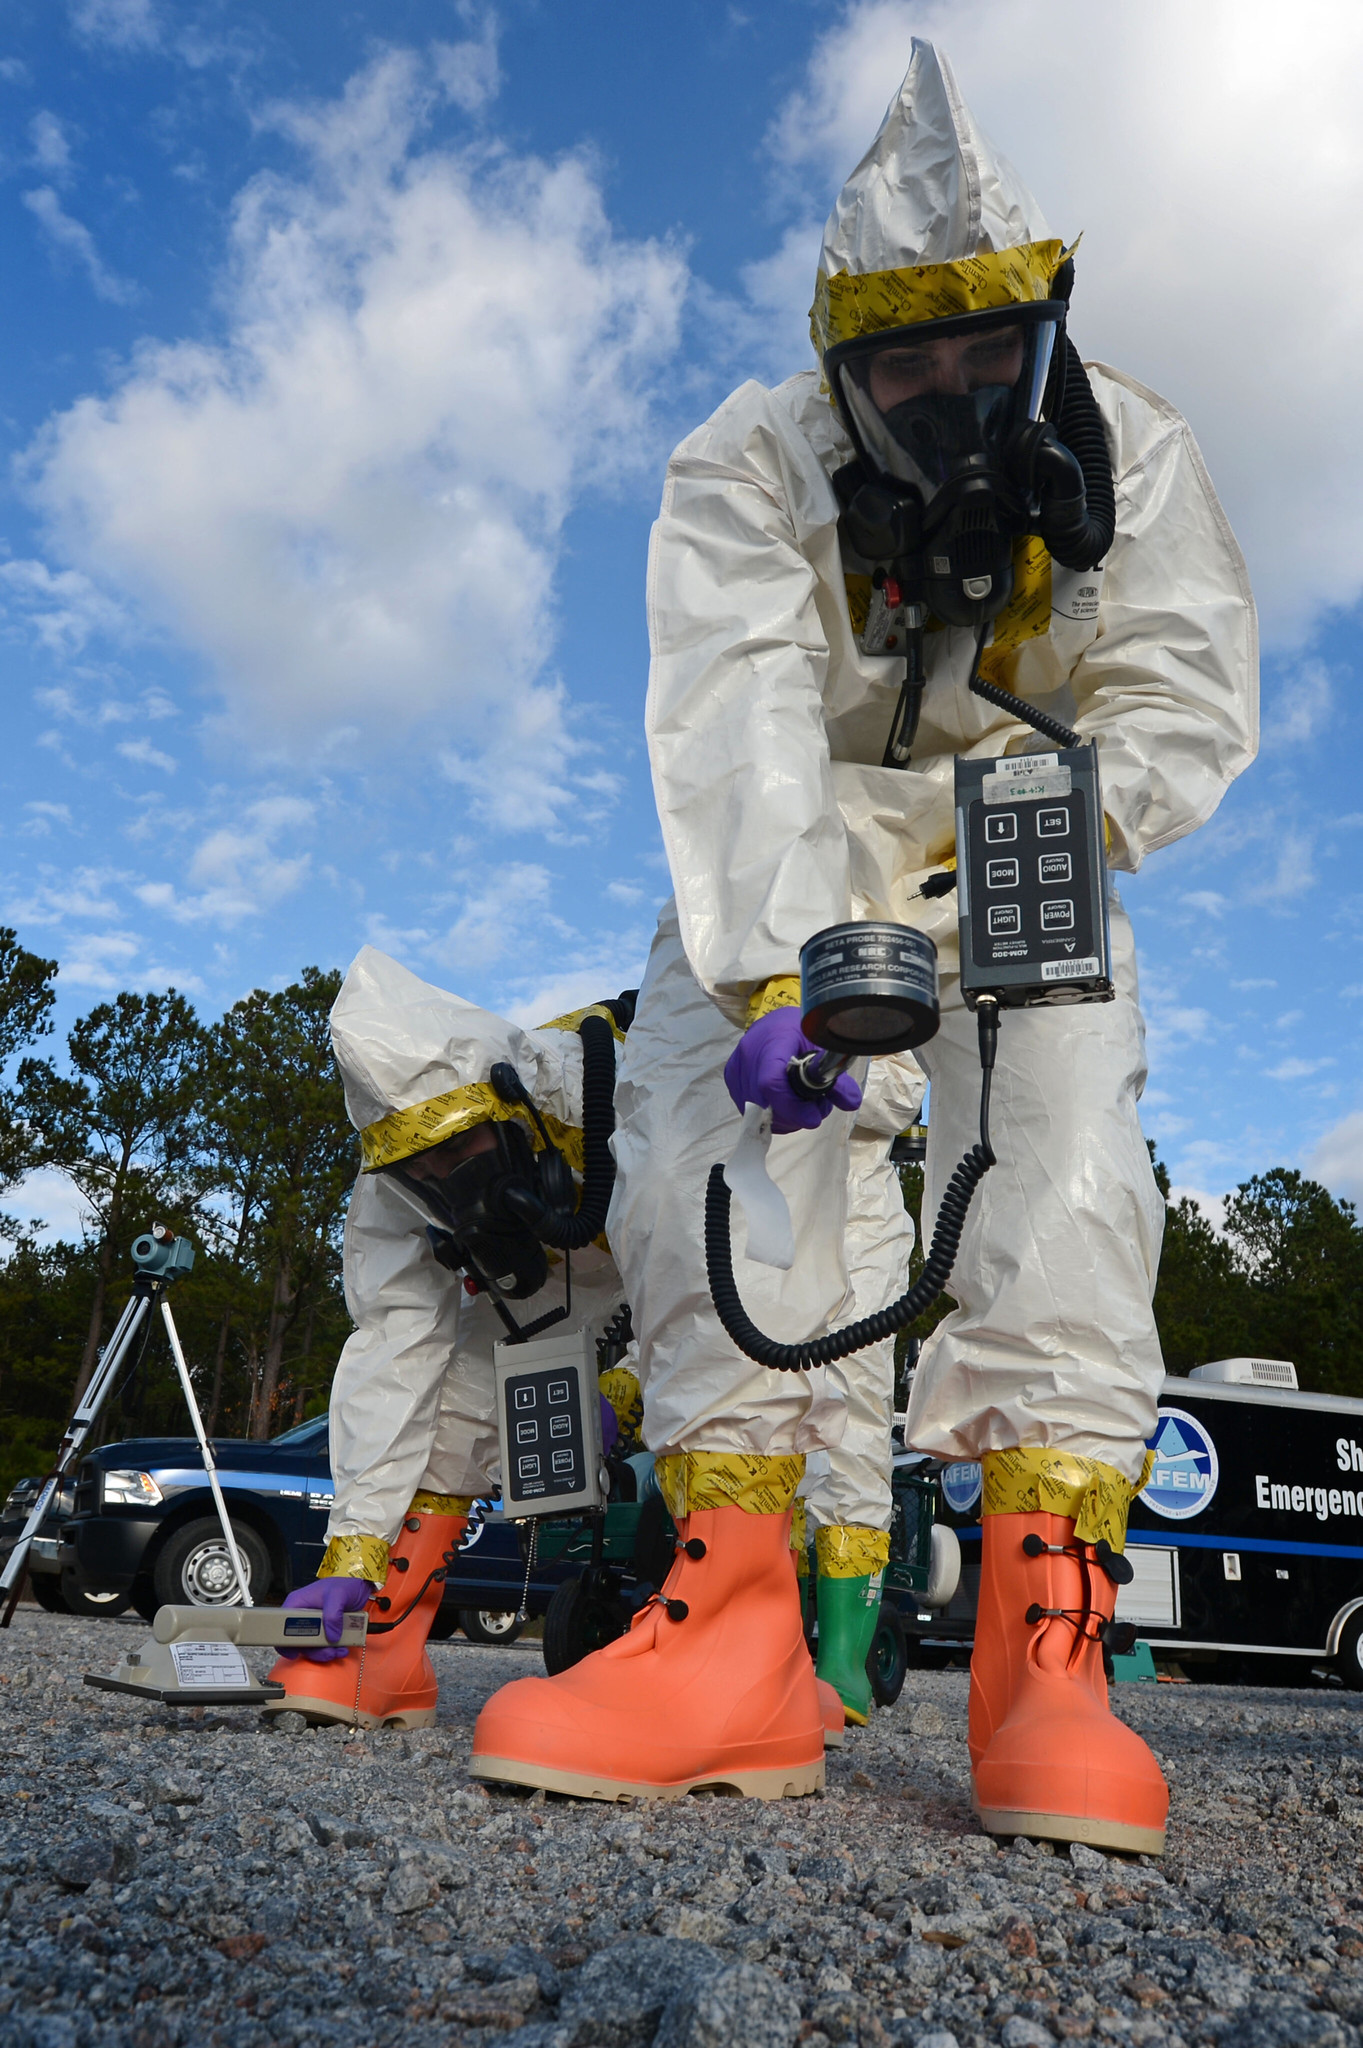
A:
489,1624
1349,1656
576,1622
887,1660
46,1590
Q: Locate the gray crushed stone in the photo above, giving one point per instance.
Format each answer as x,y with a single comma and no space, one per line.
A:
170,1879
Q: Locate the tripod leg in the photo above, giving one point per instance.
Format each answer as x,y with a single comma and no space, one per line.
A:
210,1462
82,1422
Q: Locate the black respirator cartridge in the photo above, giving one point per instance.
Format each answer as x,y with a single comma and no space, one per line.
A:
1031,879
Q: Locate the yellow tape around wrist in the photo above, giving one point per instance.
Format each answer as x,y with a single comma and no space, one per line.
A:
779,992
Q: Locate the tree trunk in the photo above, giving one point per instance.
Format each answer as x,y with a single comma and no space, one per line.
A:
219,1360
90,1355
281,1319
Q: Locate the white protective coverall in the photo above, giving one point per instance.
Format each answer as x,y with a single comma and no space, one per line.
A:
412,1404
766,728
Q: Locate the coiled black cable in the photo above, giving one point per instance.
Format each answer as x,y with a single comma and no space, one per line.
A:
946,1237
1007,700
572,1232
1079,532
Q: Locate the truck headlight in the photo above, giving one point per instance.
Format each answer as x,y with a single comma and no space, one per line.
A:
130,1490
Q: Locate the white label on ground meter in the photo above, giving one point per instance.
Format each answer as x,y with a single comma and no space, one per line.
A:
1068,970
209,1664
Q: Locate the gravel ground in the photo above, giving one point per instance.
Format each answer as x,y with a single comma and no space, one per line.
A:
170,1878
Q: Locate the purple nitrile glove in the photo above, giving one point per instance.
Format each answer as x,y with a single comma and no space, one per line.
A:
755,1071
335,1597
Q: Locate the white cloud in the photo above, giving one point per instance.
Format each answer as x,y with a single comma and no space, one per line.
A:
1302,707
1207,901
146,755
1337,1159
237,871
624,892
469,70
1213,1207
41,817
1192,145
1297,1069
1292,876
593,972
71,239
121,24
62,607
351,508
48,1206
1254,982
51,150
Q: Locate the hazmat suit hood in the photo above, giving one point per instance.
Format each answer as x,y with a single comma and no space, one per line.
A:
933,222
415,1060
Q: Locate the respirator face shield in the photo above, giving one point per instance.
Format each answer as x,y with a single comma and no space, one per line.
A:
934,410
922,401
464,1186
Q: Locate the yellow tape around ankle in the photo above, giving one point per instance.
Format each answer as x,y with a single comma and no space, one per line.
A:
440,1504
696,1480
851,1553
799,1537
355,1557
1094,1496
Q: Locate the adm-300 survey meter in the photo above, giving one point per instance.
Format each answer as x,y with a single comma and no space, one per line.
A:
1031,879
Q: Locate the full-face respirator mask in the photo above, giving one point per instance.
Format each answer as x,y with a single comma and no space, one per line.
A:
971,432
498,1204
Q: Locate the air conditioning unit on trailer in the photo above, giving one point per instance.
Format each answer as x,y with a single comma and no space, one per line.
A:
1248,1372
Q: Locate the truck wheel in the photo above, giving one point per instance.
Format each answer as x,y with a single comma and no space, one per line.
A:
445,1623
576,1622
80,1599
47,1591
490,1625
887,1660
195,1568
1349,1656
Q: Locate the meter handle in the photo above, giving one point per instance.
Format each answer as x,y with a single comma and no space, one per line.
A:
813,1075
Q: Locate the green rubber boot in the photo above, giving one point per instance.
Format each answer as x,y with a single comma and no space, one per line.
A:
851,1565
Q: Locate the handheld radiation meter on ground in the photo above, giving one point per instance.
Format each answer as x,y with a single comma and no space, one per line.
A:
1031,879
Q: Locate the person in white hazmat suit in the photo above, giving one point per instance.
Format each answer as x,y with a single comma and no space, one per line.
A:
413,1414
804,777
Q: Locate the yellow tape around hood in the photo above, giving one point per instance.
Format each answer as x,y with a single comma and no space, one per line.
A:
571,1020
404,1132
845,306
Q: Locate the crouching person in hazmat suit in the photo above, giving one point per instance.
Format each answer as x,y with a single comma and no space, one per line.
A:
951,470
443,1242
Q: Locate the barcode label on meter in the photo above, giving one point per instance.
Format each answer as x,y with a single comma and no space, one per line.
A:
1069,970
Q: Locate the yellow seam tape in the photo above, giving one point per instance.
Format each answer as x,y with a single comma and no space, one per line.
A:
404,1132
1094,1496
695,1480
573,1018
778,992
355,1557
845,306
851,1553
440,1504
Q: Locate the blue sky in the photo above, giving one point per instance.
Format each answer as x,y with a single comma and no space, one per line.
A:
345,346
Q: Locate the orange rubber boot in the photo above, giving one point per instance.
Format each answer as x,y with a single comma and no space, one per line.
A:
834,1714
390,1683
711,1689
1050,1758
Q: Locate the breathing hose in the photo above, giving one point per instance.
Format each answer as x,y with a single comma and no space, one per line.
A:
571,1232
1078,530
931,1282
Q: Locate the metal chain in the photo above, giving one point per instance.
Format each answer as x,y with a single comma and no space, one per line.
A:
523,1612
